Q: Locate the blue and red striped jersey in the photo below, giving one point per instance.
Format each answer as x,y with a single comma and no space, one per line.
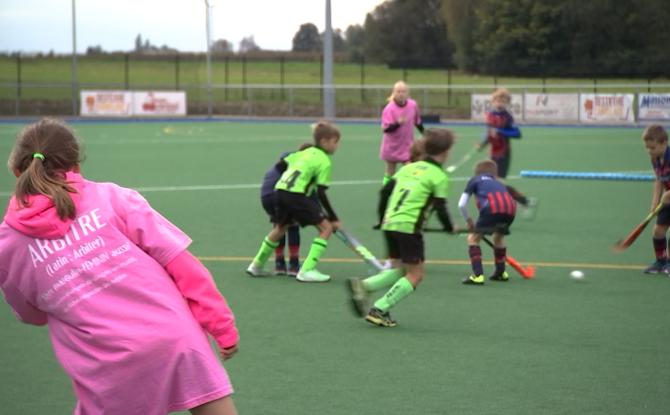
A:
499,142
491,195
661,167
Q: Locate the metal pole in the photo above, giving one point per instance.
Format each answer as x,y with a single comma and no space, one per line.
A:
329,92
209,61
74,59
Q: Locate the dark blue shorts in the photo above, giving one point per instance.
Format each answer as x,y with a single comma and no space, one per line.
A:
663,217
408,247
494,223
503,166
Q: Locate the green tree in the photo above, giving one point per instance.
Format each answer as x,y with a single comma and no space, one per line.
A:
408,33
355,39
307,39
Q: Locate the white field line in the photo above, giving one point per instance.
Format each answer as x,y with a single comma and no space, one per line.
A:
212,187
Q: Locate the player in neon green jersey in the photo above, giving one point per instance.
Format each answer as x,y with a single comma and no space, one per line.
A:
304,171
416,188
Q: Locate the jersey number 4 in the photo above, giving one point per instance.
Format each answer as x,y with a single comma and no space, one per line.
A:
290,180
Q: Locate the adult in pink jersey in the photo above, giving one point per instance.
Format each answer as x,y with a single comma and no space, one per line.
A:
399,118
127,306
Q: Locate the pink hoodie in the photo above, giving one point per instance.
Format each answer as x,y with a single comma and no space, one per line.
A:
125,302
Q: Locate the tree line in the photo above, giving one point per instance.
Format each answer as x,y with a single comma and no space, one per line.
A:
558,38
511,37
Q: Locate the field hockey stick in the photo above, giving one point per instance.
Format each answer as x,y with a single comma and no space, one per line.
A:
526,272
623,244
467,156
355,245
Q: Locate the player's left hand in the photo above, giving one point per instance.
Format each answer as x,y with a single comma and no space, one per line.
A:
227,353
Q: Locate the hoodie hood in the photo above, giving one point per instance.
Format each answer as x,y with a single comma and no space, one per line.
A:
39,219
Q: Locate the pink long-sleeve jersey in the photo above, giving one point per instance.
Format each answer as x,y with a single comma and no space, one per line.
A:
130,336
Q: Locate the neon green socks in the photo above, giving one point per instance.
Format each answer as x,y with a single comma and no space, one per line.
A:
386,179
384,279
315,251
267,248
401,289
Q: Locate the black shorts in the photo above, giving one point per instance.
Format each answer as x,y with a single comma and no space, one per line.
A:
408,247
663,217
503,165
270,205
494,223
296,207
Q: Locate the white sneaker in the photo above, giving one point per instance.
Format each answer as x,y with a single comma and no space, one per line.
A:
256,271
312,276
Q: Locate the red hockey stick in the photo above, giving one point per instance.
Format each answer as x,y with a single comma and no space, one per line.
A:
632,236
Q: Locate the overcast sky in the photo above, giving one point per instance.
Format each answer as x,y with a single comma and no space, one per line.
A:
44,25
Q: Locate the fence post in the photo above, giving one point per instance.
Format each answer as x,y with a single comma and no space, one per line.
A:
290,102
362,79
281,75
126,75
226,79
18,84
245,93
176,71
449,88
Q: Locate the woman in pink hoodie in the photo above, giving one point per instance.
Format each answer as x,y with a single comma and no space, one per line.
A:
127,306
399,118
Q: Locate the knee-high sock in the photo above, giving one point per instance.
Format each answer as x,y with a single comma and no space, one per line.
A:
317,249
401,289
279,250
383,279
267,246
500,255
475,253
517,195
294,243
660,249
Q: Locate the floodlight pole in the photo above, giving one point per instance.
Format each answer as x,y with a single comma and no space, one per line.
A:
74,60
328,90
209,60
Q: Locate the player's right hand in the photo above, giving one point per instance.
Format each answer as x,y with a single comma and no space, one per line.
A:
336,225
665,198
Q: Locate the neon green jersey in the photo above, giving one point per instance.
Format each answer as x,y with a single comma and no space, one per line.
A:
306,169
416,184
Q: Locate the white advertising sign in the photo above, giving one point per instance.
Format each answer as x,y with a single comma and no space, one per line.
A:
653,107
159,103
106,103
481,103
552,107
606,108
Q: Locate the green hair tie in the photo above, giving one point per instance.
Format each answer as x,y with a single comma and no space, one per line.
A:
38,156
